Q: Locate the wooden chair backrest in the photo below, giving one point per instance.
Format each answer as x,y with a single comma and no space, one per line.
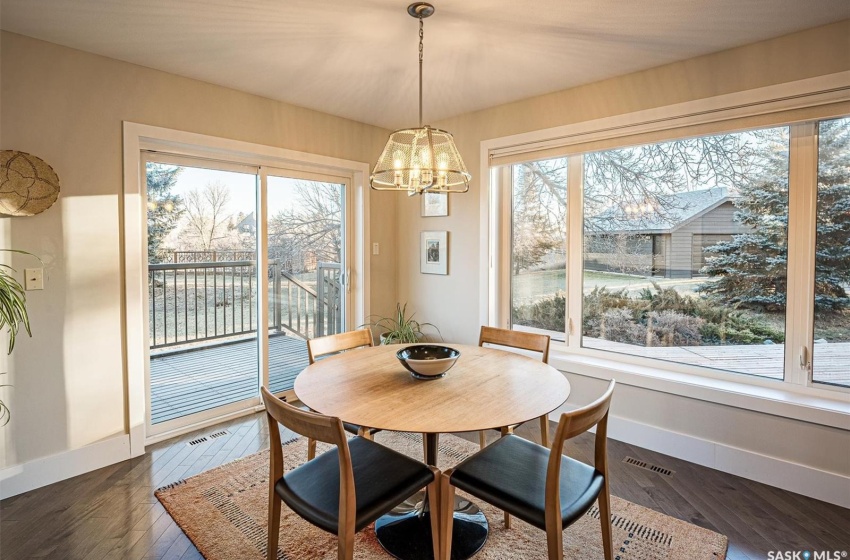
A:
306,423
319,427
571,425
333,343
515,339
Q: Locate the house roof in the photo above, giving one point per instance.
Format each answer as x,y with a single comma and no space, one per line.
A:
669,213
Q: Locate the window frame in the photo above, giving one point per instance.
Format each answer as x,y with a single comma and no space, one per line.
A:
799,105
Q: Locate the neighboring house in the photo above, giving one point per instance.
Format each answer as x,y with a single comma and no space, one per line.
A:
667,240
248,224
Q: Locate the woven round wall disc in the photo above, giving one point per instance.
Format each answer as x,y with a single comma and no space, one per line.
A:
28,185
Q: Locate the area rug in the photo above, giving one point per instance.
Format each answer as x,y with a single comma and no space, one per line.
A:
223,511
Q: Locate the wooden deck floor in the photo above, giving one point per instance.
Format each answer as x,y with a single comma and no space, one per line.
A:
831,361
201,379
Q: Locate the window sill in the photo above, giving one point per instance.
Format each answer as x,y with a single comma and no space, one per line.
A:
807,404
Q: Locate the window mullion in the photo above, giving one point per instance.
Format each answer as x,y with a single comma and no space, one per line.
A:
262,238
575,236
802,206
502,254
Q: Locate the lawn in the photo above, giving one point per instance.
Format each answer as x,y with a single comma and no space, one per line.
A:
531,286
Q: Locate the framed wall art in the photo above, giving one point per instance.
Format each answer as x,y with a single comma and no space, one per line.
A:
434,252
434,204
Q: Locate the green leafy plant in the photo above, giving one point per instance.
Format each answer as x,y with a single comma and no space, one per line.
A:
399,328
13,315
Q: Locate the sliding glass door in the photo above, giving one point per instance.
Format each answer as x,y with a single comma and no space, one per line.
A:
202,290
244,265
306,256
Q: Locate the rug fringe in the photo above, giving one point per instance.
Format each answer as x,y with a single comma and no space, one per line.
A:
170,486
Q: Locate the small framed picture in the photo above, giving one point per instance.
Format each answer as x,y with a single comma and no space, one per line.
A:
434,256
435,204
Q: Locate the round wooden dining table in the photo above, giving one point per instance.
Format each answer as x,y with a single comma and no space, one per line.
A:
486,388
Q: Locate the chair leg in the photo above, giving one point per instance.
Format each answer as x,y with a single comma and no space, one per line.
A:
544,430
555,542
274,524
435,503
605,520
506,431
311,449
345,548
482,439
447,500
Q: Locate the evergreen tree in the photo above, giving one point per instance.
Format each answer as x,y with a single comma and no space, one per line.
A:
751,269
832,260
164,208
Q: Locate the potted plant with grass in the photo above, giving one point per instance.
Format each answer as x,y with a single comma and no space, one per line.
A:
13,315
400,328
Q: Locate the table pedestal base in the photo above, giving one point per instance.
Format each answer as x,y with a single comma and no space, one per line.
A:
405,532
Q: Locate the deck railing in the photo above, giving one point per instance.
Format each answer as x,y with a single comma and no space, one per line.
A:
202,301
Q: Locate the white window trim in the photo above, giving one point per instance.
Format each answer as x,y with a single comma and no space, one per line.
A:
795,398
138,137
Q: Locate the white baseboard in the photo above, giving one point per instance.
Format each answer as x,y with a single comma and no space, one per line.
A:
794,477
47,470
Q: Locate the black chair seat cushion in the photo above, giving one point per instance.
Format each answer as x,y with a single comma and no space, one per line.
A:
383,478
355,429
511,475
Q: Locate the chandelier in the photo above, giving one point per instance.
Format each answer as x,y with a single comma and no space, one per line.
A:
423,159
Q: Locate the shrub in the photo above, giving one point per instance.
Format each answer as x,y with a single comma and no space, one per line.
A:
675,329
547,313
619,325
656,316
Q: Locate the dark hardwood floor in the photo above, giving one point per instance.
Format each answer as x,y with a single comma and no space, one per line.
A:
112,513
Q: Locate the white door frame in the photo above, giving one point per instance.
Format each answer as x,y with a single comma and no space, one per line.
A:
138,137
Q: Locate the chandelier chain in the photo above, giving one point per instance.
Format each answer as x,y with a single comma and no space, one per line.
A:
421,49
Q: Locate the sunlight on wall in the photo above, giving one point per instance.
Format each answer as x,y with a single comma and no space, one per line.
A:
89,289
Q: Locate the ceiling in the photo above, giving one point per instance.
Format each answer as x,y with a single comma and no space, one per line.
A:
358,59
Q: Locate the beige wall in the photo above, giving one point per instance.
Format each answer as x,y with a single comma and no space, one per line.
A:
67,107
452,302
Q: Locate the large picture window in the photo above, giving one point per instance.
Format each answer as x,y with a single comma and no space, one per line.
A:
680,251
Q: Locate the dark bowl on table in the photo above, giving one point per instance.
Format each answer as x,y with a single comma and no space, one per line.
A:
428,360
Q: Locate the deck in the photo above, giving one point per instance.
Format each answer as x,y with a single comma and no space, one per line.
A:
191,381
831,361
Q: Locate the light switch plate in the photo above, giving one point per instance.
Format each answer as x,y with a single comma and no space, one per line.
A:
376,249
33,278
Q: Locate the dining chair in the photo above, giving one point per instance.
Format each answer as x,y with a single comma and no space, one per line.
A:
523,341
345,489
539,485
332,344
